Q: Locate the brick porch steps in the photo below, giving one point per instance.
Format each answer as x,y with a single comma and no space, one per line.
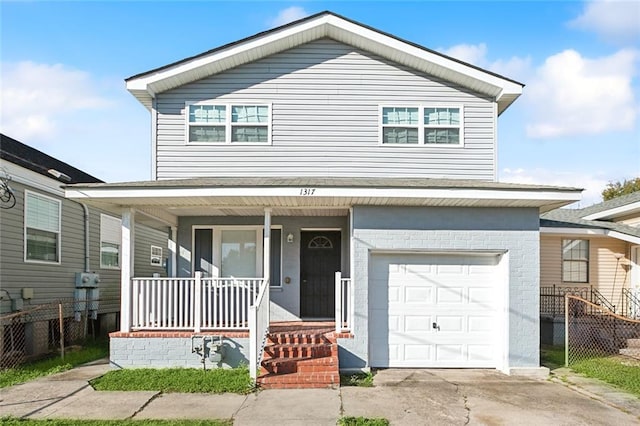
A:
299,359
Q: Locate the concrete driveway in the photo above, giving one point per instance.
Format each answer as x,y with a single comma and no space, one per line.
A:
485,397
404,396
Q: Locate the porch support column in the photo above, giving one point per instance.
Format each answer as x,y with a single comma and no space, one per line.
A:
266,250
126,269
173,249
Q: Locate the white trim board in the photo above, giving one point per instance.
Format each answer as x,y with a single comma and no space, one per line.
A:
591,232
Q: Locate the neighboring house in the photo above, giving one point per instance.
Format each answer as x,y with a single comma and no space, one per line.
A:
46,240
320,147
596,247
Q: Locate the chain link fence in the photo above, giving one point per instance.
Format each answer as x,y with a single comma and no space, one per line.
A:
50,329
593,331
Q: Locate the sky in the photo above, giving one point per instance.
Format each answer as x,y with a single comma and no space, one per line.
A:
63,65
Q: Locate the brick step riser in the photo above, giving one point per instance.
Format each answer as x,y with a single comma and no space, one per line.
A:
328,365
293,379
298,352
297,339
297,386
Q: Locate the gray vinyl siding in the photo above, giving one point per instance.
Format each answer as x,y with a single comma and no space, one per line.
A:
325,100
50,281
145,238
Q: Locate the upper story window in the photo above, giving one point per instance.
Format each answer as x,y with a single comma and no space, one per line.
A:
229,123
421,125
575,261
110,239
41,228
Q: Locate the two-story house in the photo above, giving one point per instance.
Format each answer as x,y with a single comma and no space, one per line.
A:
328,170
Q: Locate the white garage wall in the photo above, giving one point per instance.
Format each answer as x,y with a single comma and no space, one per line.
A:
513,231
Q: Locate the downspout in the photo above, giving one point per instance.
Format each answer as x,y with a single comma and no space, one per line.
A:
87,255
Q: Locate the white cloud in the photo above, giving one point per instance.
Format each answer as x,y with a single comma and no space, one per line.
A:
592,183
472,53
614,20
573,95
287,15
36,97
516,67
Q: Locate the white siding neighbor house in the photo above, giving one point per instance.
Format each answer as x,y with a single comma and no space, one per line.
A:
325,170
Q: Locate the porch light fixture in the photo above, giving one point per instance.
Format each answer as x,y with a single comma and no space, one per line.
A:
290,238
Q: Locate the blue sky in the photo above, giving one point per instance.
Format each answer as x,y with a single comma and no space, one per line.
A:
63,67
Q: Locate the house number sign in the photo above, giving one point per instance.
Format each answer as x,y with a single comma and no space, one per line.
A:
307,191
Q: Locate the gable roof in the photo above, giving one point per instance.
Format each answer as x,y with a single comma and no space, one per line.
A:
616,207
593,217
146,85
30,158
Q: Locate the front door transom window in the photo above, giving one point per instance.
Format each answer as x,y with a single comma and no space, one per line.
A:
320,242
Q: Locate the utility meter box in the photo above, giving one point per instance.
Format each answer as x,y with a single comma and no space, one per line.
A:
87,280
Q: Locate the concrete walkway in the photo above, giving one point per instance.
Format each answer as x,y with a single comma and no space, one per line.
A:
404,396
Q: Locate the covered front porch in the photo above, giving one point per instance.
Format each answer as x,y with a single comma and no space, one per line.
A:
235,276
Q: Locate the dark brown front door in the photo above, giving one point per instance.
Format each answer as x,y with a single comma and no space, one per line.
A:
319,261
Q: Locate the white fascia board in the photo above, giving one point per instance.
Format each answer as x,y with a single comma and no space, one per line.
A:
591,232
144,83
618,211
311,192
502,85
30,178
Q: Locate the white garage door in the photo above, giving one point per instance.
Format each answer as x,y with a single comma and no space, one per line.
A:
433,310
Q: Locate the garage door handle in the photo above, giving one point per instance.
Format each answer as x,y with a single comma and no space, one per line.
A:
436,326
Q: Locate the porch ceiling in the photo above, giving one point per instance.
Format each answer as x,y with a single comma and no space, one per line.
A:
168,200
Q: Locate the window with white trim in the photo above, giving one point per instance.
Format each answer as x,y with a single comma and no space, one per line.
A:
421,125
236,251
110,241
575,261
156,255
41,228
228,123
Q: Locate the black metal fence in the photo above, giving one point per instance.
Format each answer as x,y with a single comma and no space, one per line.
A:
48,330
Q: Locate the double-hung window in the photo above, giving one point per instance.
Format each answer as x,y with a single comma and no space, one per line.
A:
229,123
421,125
41,228
575,261
110,241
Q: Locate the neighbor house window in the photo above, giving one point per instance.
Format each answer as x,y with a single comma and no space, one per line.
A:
228,123
110,237
156,256
575,261
421,125
41,228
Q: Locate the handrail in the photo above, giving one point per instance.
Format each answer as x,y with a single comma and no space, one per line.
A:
630,303
601,308
598,299
259,317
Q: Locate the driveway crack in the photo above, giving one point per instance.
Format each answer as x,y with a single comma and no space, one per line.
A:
139,410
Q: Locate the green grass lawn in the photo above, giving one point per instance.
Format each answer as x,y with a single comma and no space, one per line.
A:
186,380
619,371
357,379
89,352
362,421
12,421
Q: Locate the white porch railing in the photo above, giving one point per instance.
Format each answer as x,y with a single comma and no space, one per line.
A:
258,329
343,303
193,303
